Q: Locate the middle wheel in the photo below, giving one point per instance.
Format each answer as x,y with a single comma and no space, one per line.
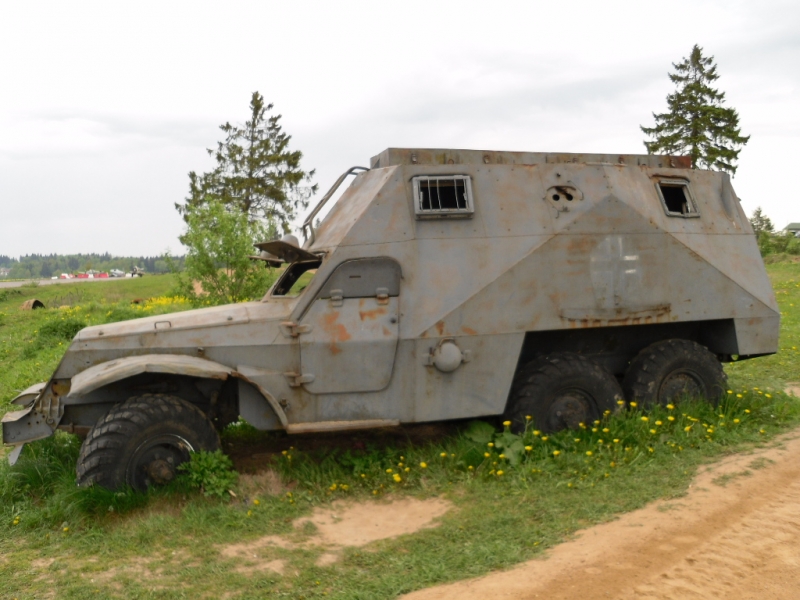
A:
561,390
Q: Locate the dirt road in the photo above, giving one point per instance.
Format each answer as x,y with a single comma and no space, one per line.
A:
736,535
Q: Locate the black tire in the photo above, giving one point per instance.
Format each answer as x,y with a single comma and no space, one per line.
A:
561,390
142,441
668,371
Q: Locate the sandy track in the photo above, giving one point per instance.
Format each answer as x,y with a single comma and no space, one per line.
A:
736,535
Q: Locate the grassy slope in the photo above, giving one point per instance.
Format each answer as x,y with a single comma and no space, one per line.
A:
498,520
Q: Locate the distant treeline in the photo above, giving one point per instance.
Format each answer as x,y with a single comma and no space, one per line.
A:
52,265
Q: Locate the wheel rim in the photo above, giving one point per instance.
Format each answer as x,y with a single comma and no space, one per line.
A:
156,461
681,383
569,409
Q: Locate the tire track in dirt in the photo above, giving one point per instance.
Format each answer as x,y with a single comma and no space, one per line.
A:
735,535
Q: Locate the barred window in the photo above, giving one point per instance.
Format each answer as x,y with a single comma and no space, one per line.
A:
442,196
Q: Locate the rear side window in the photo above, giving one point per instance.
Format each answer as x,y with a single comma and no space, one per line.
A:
442,196
676,197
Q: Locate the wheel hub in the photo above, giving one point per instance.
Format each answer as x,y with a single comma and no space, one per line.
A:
156,461
679,384
569,410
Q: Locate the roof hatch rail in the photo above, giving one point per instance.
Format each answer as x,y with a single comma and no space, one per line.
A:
309,235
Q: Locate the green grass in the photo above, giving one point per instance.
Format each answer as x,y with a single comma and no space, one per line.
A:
166,544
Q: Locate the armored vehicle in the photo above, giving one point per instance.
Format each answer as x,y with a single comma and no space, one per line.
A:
443,284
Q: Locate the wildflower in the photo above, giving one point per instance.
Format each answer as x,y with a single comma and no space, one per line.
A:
569,485
738,395
249,513
65,530
761,431
577,439
594,429
471,468
256,502
670,418
736,420
502,456
285,452
747,410
528,448
659,423
556,452
613,464
374,492
397,478
389,471
536,432
490,444
545,438
333,488
730,391
651,449
653,431
486,454
620,402
407,469
597,422
363,476
670,406
506,423
605,430
645,419
443,455
687,428
582,425
633,404
606,412
616,441
423,465
499,473
452,456
528,417
588,453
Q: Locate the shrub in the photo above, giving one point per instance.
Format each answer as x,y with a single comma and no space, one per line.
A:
211,472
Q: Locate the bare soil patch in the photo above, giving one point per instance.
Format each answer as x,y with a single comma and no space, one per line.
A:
735,535
341,525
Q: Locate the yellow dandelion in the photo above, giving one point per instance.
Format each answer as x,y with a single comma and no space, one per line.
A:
486,454
747,410
687,428
528,417
659,423
605,430
671,406
730,391
545,438
768,395
443,455
645,419
506,423
588,453
620,402
528,448
738,395
499,473
256,502
736,420
616,441
670,418
502,456
397,478
389,471
423,465
537,432
490,444
407,469
633,404
652,431
556,452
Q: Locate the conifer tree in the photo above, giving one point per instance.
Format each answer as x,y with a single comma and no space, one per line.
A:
761,222
256,171
697,124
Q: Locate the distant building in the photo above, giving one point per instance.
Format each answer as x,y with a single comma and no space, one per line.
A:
793,228
4,272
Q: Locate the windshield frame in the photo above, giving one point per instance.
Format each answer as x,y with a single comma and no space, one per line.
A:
290,276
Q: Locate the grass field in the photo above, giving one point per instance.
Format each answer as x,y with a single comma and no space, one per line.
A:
512,496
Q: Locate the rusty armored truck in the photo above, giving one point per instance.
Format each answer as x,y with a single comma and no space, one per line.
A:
443,284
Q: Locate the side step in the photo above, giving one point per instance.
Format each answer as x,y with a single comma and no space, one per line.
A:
340,425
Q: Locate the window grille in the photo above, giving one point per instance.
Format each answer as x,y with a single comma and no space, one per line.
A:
443,196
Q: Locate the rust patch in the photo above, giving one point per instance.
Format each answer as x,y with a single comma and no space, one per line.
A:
440,327
468,330
371,314
335,330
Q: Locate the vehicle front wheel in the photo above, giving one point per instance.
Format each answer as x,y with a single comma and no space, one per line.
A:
142,441
560,391
667,371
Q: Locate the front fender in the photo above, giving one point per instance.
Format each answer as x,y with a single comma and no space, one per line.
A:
101,375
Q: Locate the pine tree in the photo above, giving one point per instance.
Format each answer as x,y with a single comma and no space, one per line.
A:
761,222
697,124
256,172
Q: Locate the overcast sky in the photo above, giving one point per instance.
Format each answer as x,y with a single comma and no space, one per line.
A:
106,106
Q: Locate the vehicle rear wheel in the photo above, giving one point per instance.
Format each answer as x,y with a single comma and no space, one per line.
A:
561,390
667,371
142,441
